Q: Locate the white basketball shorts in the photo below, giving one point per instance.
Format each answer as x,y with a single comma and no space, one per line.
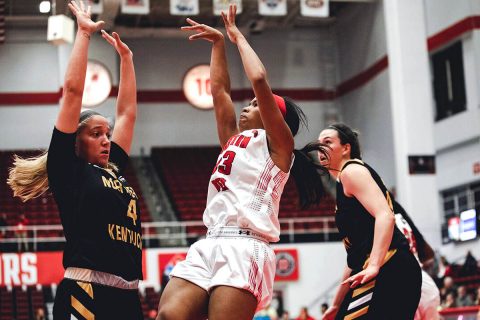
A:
243,263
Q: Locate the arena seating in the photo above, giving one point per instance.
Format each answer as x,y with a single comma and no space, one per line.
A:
43,210
21,302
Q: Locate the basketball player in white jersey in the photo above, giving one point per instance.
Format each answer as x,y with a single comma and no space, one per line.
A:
430,298
229,275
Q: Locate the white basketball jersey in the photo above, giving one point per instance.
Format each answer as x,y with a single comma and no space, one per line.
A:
246,186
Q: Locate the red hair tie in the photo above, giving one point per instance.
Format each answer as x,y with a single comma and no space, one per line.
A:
281,104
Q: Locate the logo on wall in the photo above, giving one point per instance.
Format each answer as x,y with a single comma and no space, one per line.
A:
314,3
272,3
223,5
272,7
136,6
196,87
184,7
166,263
287,265
314,8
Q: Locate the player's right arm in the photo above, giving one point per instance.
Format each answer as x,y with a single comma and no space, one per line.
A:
67,120
219,79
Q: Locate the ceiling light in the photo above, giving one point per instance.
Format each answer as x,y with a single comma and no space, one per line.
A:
44,7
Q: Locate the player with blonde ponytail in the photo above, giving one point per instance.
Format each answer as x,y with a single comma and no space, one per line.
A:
83,170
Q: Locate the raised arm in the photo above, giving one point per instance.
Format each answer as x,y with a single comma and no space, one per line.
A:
126,113
219,79
67,120
279,135
358,182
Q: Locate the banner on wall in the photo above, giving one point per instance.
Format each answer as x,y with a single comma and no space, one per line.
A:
136,6
46,268
272,7
184,7
223,5
166,262
96,6
314,8
30,268
287,265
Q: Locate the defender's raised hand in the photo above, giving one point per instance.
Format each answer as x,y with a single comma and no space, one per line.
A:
229,20
84,20
114,39
203,31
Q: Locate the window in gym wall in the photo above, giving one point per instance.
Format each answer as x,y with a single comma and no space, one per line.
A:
458,200
449,81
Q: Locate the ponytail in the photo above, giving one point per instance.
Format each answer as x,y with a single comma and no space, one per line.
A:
28,177
307,174
305,171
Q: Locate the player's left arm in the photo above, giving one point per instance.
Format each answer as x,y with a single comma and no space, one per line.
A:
126,113
280,138
359,183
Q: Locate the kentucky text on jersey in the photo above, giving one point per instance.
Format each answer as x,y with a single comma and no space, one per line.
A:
121,233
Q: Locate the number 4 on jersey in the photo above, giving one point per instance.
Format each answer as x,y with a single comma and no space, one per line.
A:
132,211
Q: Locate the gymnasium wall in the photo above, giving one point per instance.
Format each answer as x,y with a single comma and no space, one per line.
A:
457,138
294,60
361,51
364,98
364,103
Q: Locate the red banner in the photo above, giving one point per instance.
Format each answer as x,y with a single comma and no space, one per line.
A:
166,262
31,268
46,267
287,265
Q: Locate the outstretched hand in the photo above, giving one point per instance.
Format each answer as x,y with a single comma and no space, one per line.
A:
229,20
84,20
114,39
203,31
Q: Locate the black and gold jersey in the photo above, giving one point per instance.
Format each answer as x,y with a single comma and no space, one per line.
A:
98,210
356,225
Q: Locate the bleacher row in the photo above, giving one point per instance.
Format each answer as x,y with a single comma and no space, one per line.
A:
43,210
21,302
185,173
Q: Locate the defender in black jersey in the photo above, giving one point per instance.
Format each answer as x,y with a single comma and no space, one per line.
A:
382,279
98,209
